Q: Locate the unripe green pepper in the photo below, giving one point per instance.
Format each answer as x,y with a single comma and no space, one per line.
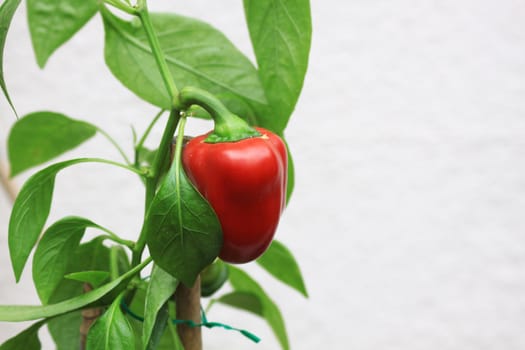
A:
213,277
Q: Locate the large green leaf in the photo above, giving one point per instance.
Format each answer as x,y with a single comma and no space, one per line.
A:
281,33
30,212
53,22
281,264
247,286
31,209
197,55
41,136
26,340
54,253
183,233
111,331
161,287
17,313
7,11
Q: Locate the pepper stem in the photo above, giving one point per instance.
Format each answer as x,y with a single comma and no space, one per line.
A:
228,126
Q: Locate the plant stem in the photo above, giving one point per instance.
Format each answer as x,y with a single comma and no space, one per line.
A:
120,165
121,6
113,263
117,239
115,144
161,159
143,14
140,143
165,143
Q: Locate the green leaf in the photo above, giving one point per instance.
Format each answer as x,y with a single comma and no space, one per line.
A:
41,136
64,329
16,313
170,339
244,301
242,282
145,156
30,212
159,327
197,55
183,234
161,287
281,33
290,183
26,340
281,264
7,11
92,256
111,331
53,22
54,253
94,278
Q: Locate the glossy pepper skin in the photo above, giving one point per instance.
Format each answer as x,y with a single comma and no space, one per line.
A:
245,183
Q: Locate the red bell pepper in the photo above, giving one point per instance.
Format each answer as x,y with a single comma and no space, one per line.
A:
245,183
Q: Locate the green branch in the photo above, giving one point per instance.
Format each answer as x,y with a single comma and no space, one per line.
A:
115,144
143,14
126,7
161,159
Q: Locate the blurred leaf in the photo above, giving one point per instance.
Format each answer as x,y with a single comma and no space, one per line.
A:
145,156
213,277
281,264
7,11
281,33
243,283
42,136
26,340
53,22
64,330
244,301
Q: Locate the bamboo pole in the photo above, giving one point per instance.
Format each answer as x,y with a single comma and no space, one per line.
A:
6,183
188,306
89,316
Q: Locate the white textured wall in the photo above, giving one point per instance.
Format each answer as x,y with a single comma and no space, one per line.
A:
408,217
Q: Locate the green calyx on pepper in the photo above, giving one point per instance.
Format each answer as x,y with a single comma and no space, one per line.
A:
242,173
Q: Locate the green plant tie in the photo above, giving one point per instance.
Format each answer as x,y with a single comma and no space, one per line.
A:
204,323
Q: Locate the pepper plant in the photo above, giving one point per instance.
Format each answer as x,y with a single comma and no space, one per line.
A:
211,202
